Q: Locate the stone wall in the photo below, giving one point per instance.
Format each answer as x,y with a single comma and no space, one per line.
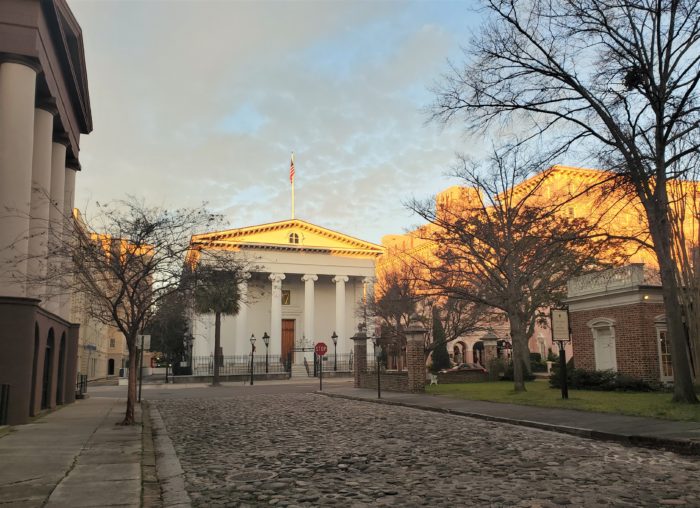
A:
391,381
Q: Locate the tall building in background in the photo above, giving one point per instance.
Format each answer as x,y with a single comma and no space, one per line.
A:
44,108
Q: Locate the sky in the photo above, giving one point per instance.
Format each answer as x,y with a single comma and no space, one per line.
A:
203,101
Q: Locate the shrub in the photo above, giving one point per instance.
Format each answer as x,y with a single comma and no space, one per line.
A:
536,363
508,374
601,380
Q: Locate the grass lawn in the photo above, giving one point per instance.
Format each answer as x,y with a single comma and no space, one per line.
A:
655,405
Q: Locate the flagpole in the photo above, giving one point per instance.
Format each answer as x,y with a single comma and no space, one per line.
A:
291,179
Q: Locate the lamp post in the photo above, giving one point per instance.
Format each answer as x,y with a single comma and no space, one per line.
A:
252,351
266,340
377,362
334,338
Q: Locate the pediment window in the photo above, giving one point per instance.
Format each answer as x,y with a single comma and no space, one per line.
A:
293,238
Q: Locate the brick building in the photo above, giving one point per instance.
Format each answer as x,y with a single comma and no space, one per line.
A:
617,323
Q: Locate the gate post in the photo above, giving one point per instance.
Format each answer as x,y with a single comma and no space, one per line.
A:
360,357
415,354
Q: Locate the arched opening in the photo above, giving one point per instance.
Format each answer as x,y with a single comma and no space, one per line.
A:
35,366
110,367
478,352
60,381
46,378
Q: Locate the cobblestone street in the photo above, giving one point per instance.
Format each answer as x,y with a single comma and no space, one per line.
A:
310,450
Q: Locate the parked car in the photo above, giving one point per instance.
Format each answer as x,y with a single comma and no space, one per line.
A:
474,367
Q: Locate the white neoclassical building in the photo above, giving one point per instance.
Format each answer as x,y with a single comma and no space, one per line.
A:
309,282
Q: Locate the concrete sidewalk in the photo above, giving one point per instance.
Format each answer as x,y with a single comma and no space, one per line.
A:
75,456
682,437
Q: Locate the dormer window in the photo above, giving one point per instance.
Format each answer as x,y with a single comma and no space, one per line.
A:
293,238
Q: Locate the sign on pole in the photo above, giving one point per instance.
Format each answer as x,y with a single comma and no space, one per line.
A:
321,349
560,324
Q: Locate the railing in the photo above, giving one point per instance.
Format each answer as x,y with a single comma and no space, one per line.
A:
629,276
238,365
81,386
4,403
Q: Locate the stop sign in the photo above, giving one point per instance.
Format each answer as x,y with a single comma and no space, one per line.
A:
320,349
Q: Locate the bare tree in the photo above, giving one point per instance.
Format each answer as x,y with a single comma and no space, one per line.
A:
615,78
499,247
126,261
401,294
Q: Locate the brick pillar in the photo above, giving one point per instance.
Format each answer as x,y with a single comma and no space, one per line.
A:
415,355
490,351
360,357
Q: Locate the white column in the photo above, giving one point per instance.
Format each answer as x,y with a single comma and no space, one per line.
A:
58,179
242,335
309,308
17,94
340,281
68,202
40,203
276,314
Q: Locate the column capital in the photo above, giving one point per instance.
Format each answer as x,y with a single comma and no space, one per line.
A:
47,104
309,277
27,61
61,138
340,278
369,280
72,163
277,277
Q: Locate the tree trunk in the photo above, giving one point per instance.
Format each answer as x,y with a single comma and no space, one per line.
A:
660,230
217,348
519,349
131,388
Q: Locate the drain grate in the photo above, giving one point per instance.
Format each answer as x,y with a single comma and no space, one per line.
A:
252,476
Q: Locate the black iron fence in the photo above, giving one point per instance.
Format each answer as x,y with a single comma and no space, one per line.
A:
81,385
239,364
275,364
4,403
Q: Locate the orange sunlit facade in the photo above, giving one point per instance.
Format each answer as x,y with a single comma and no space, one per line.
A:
570,192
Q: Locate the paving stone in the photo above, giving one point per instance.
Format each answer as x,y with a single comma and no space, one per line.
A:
319,451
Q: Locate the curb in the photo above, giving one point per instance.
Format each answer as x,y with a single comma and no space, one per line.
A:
150,488
681,446
170,475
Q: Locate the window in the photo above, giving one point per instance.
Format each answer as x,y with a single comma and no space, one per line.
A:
664,356
572,212
286,297
293,238
112,343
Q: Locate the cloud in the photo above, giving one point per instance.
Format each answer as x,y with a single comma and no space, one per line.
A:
203,101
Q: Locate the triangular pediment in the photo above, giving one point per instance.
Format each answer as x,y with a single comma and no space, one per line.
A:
293,234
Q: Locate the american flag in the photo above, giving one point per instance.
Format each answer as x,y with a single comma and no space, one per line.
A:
291,170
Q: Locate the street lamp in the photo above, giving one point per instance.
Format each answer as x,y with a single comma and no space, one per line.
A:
266,340
377,361
334,338
252,351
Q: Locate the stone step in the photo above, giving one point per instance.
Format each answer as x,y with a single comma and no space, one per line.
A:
299,371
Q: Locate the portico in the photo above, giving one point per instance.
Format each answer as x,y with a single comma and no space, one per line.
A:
308,283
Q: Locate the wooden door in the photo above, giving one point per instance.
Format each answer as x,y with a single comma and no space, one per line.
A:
287,339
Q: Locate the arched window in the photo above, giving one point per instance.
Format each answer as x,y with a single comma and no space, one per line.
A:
293,238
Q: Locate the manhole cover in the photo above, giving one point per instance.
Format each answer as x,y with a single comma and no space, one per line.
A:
252,476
